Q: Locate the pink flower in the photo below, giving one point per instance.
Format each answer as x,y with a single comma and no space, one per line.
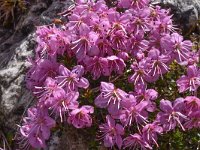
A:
140,75
136,4
193,121
104,46
164,25
97,66
63,103
171,115
80,117
51,41
77,21
110,97
192,104
50,88
119,40
123,55
176,47
119,22
159,64
137,44
144,94
39,71
116,64
150,132
133,112
72,80
111,133
148,95
83,43
140,21
136,141
158,13
190,82
36,127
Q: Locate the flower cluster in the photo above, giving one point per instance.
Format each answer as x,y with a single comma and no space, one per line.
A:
133,110
56,88
133,40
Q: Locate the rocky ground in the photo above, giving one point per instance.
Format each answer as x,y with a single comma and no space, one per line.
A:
17,43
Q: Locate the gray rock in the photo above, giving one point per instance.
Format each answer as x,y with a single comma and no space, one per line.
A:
12,76
186,12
